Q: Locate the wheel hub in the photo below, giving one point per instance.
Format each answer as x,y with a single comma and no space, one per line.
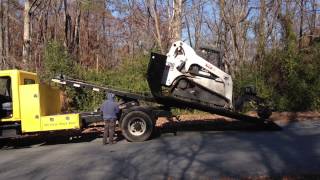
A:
137,127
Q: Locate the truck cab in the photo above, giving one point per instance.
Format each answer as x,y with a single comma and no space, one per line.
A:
10,83
27,106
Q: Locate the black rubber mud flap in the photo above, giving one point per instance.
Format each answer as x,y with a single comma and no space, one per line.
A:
139,119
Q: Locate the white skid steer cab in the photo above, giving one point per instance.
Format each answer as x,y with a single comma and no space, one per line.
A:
195,78
190,78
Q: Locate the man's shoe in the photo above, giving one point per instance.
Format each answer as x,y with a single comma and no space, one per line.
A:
114,142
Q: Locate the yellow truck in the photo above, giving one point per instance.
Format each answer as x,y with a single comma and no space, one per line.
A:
29,106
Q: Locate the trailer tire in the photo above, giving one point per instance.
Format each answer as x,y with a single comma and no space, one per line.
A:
264,113
137,126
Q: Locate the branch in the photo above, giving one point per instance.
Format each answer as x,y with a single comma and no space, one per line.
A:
15,19
34,6
245,17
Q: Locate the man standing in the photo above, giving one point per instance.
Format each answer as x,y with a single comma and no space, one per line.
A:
109,110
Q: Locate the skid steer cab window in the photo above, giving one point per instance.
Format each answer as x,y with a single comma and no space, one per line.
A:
213,56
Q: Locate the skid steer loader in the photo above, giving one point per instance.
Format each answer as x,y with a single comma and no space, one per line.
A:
188,76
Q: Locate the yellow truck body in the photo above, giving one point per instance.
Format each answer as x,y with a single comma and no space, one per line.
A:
35,106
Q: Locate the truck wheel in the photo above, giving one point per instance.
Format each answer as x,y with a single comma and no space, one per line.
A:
137,126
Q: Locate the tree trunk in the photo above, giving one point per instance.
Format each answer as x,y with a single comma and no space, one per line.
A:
176,20
261,31
97,43
6,32
313,20
76,39
301,23
198,23
226,63
156,18
1,35
26,35
188,30
104,45
97,62
67,27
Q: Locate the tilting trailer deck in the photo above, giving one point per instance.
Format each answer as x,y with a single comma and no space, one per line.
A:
137,122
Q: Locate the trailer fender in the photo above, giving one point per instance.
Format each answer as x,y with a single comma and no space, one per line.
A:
146,109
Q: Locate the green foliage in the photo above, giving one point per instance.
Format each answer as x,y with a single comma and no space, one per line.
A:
129,76
249,75
56,61
287,76
290,78
289,35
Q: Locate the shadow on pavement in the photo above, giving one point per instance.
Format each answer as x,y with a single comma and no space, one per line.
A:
289,154
195,155
169,127
210,125
39,140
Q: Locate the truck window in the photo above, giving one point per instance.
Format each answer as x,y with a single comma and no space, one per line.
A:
5,97
29,81
5,86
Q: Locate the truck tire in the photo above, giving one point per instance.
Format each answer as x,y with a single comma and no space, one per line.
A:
137,126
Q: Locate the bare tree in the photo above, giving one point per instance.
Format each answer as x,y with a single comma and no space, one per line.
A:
76,33
67,26
26,33
4,33
98,34
176,25
261,30
196,15
313,20
302,3
156,18
234,18
2,60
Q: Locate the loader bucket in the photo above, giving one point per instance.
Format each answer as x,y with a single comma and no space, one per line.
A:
157,73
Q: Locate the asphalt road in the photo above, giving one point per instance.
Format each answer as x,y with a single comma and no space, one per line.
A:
189,155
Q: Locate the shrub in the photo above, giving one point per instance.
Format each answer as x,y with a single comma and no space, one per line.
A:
129,76
56,61
289,78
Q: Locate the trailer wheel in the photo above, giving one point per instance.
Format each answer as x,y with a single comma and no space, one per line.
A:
264,112
137,126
